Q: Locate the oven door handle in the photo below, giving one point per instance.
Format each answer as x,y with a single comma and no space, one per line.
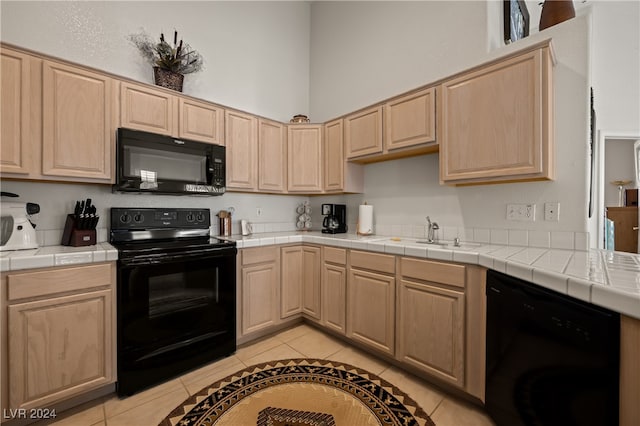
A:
164,259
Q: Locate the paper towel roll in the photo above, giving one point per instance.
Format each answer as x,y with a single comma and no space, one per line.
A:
365,219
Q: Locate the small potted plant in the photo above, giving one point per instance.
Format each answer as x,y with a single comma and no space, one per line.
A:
170,62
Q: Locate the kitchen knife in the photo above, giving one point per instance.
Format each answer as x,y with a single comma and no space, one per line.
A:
76,211
87,206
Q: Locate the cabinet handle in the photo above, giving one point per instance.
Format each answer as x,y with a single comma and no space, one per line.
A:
635,228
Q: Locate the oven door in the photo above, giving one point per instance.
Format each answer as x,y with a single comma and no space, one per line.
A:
175,312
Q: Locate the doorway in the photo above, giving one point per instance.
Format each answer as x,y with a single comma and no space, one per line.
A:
617,166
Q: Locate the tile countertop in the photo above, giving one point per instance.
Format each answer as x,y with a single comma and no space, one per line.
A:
47,256
605,278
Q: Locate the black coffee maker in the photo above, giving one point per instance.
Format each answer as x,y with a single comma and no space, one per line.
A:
335,221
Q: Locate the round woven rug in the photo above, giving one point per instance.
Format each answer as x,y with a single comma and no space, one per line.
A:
294,392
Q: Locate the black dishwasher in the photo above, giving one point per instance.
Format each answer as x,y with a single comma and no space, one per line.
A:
551,359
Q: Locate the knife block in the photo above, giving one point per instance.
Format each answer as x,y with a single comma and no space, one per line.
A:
72,236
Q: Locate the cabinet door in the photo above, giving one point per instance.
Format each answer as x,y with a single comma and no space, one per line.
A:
312,293
305,158
272,156
334,288
333,156
363,132
259,297
59,348
370,309
201,121
241,137
496,122
291,284
143,108
78,135
15,109
431,330
410,120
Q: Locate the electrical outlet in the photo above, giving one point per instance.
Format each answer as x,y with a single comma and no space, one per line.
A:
521,212
259,211
552,212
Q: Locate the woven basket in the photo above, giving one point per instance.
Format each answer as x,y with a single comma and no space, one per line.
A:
169,79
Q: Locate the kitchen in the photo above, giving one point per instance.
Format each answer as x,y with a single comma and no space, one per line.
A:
328,83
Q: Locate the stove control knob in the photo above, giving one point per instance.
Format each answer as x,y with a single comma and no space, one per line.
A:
138,217
200,217
125,218
190,217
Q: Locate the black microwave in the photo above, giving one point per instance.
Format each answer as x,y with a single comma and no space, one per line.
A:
152,163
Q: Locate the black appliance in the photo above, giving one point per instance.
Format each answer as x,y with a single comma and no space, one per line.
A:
335,221
176,294
147,162
551,359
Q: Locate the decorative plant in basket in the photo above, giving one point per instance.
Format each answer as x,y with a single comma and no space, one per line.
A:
170,62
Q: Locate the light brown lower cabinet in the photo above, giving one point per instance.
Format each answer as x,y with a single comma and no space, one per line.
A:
334,289
430,329
259,289
60,334
431,318
300,286
291,283
311,289
629,370
371,300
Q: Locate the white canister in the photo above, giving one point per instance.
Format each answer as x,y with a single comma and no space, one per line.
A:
246,227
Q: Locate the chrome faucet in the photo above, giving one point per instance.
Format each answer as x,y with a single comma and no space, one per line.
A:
431,233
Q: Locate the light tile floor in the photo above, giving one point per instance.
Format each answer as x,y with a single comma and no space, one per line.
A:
302,341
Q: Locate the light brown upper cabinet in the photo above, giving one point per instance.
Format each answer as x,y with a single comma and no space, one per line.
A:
305,157
143,108
410,120
15,149
78,135
200,121
496,121
241,135
339,175
156,111
363,132
272,156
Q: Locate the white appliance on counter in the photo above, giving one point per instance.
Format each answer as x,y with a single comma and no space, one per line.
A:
17,231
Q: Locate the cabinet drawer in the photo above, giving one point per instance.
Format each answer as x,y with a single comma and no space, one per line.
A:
437,272
259,255
335,255
373,261
48,282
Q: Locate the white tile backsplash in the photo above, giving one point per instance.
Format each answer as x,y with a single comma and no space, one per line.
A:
562,240
518,237
499,236
539,239
482,236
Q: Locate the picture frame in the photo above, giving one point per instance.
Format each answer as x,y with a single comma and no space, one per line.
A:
516,20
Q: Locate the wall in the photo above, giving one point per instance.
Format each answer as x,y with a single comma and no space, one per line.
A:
256,53
616,65
618,165
362,52
256,59
369,67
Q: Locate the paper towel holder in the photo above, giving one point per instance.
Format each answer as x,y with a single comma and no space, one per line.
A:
369,230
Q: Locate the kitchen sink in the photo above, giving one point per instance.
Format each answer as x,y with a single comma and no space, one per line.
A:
449,245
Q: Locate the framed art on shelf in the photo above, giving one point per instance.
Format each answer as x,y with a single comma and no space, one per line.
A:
516,20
